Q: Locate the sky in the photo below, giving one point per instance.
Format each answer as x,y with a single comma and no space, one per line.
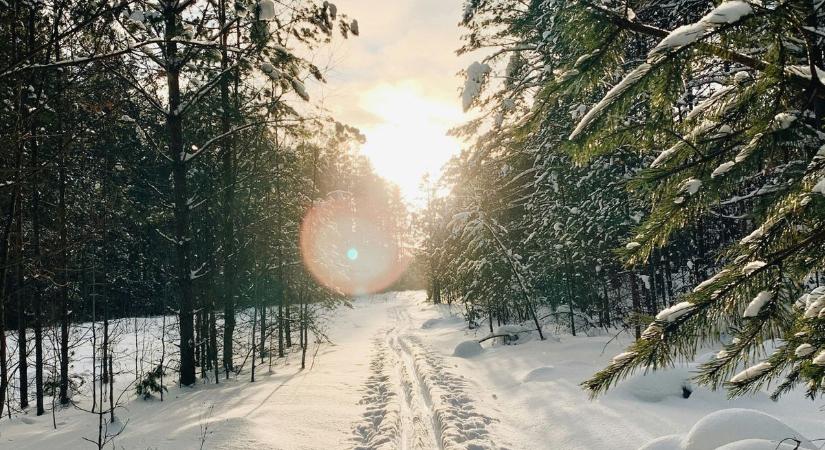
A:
398,83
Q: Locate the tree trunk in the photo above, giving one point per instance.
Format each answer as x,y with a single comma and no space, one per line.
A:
228,216
63,277
287,323
281,323
5,244
637,304
174,124
254,346
262,341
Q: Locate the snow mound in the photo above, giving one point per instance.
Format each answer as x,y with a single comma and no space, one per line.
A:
430,323
670,442
659,385
759,444
468,349
546,373
734,429
513,334
736,424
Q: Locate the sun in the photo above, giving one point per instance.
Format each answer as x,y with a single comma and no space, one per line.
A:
409,138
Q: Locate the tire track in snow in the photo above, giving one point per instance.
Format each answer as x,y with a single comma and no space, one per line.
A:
381,423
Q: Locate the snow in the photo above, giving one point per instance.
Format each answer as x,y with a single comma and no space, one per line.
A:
622,357
805,71
755,235
715,100
819,359
513,334
137,17
674,312
784,120
388,381
632,245
267,68
670,442
710,281
699,130
819,188
266,9
614,93
746,150
751,372
658,386
468,349
681,36
735,428
722,169
761,444
690,186
816,306
540,375
472,85
753,266
804,350
299,88
756,305
726,13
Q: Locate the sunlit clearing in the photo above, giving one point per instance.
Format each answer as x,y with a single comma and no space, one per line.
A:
410,138
346,250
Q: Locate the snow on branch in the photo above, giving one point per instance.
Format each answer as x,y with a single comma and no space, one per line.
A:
727,13
612,95
476,74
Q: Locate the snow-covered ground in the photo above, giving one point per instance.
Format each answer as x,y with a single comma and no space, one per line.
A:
391,380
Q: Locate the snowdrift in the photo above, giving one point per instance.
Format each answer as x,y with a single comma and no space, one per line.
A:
734,429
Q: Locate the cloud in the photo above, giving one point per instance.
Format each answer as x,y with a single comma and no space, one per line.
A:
401,40
398,83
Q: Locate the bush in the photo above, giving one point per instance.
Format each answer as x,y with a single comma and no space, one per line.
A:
150,384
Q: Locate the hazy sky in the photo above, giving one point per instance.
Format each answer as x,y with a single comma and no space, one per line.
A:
397,82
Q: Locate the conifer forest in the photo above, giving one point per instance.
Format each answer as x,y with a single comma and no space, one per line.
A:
412,224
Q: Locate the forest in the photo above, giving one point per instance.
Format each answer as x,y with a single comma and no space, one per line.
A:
179,209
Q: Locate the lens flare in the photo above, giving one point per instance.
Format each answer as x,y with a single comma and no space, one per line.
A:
349,251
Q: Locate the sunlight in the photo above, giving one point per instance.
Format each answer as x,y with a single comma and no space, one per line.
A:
347,250
410,139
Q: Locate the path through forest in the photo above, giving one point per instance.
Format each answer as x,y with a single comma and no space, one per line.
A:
390,381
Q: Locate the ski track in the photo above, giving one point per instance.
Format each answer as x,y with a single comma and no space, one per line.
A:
419,404
379,428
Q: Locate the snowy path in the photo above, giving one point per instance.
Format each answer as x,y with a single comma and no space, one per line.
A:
390,382
413,401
